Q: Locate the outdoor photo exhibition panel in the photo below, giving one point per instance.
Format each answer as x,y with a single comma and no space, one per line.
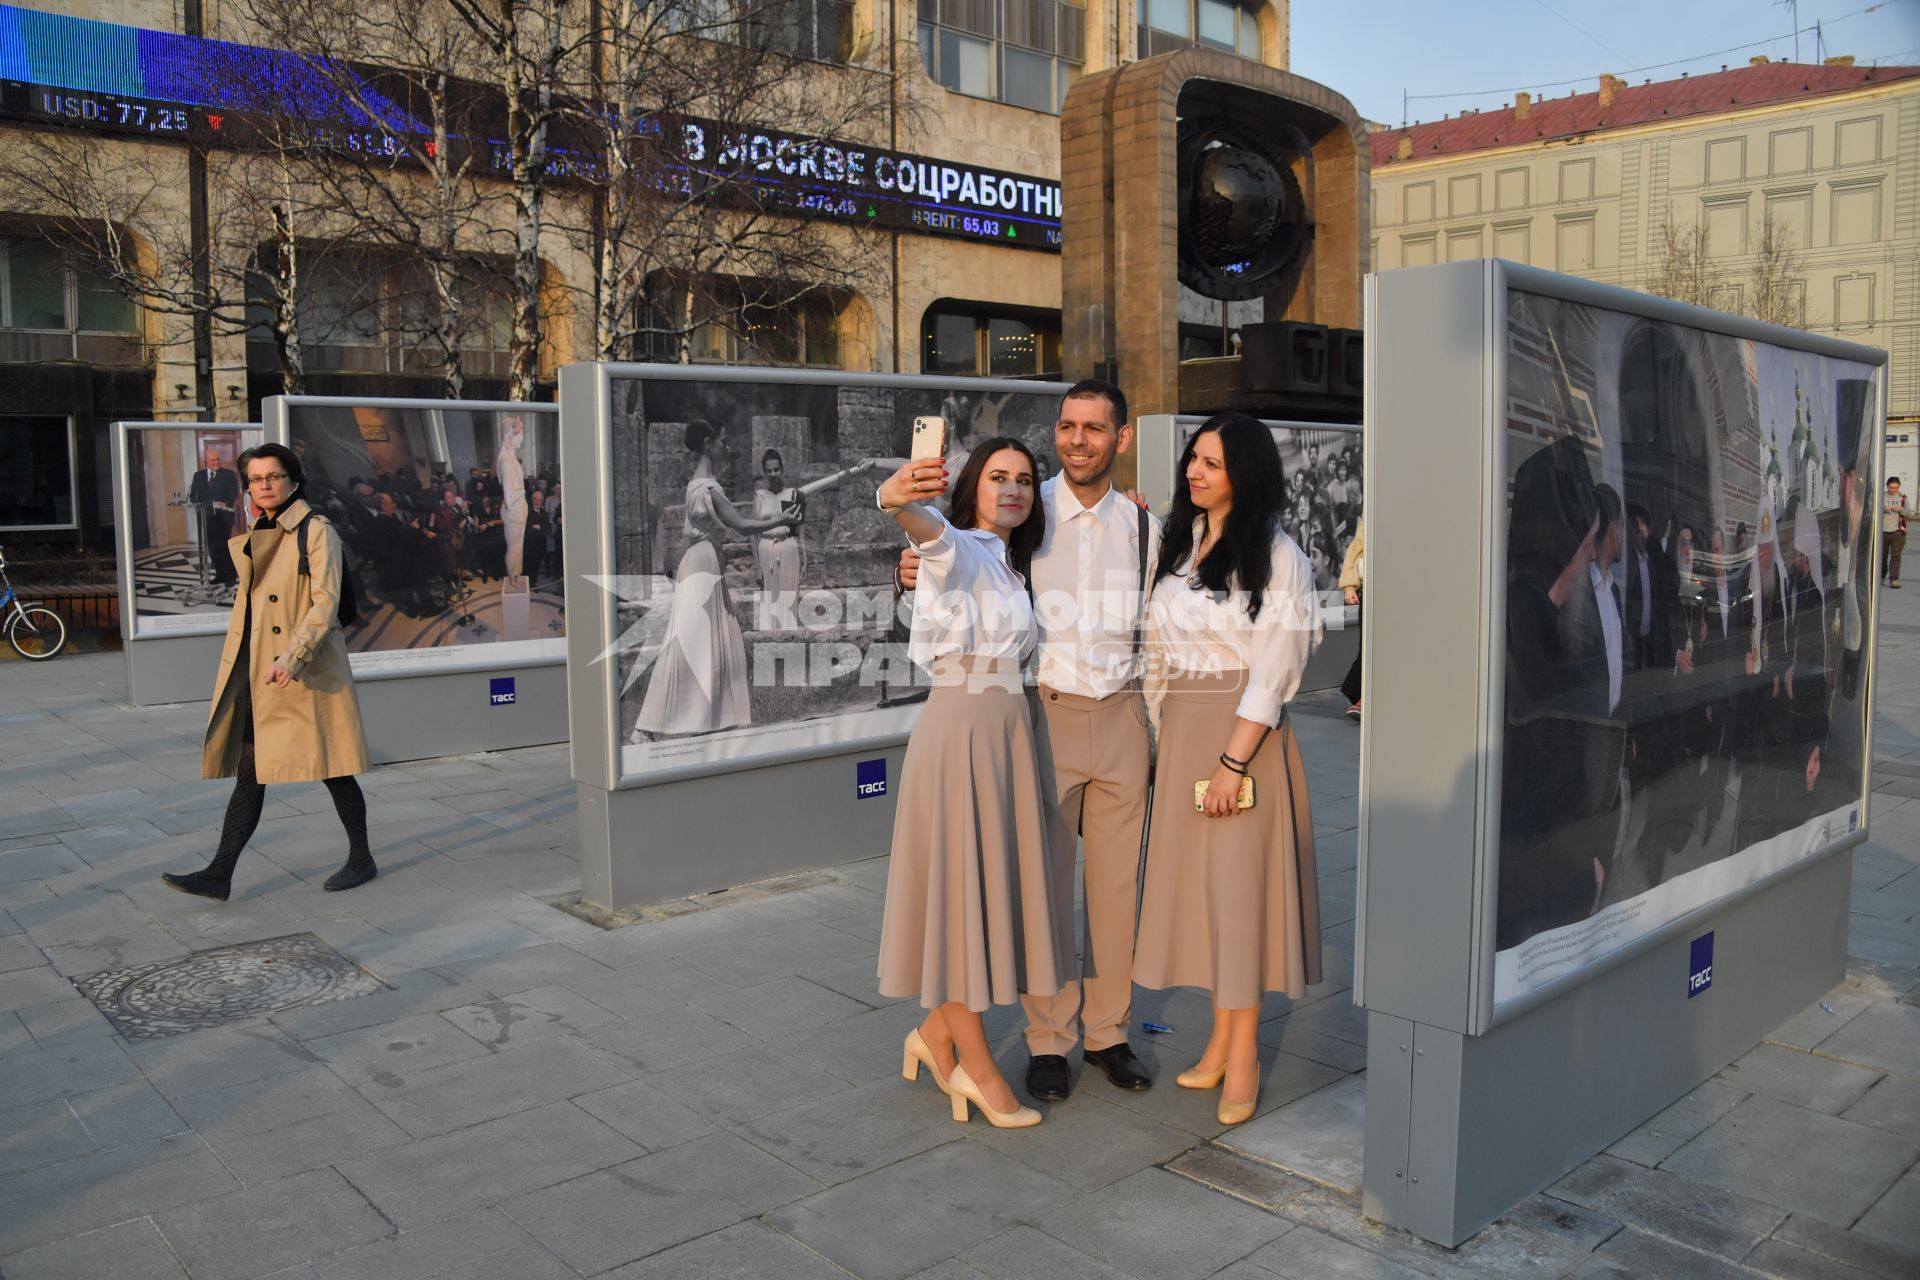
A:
1610,753
451,513
177,499
1324,471
714,643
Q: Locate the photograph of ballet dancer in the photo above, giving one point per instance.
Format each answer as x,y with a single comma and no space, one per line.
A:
1324,471
757,597
1688,597
182,500
451,519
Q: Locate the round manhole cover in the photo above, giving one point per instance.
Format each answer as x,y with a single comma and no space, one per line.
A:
226,984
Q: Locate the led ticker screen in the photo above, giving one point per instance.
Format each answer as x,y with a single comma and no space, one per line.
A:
128,80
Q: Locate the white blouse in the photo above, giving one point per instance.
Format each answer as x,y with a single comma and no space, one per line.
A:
968,599
1190,630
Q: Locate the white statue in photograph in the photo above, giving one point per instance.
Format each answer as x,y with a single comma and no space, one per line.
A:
513,494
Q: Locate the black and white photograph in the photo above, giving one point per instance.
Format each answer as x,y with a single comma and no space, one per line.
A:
184,501
755,572
451,518
1688,609
1324,471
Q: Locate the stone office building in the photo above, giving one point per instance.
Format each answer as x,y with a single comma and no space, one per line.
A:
1586,184
967,286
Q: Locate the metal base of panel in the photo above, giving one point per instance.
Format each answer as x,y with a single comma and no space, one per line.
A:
172,668
648,844
1328,666
453,713
1462,1128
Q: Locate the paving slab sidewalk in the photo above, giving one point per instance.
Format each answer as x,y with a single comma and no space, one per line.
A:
714,1094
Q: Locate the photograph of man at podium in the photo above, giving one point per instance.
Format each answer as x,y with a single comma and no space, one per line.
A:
1684,719
214,494
184,501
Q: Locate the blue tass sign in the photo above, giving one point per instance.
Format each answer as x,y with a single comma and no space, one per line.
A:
870,778
500,693
1700,965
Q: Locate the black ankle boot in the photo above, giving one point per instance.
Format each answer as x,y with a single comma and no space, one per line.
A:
356,873
204,884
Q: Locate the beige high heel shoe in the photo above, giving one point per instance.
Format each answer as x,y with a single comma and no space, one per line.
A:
962,1089
1195,1078
1231,1113
914,1053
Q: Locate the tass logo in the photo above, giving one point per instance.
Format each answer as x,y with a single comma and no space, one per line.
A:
1700,965
870,778
500,694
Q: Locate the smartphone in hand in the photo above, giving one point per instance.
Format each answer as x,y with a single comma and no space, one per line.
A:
929,437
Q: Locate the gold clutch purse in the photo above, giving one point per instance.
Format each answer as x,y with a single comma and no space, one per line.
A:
1244,800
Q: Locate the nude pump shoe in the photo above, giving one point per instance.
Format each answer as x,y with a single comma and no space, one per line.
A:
914,1053
1195,1078
962,1089
1233,1112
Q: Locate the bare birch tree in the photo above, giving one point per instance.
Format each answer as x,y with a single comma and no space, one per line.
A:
687,230
414,187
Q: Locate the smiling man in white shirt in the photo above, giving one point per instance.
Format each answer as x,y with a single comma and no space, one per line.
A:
1087,583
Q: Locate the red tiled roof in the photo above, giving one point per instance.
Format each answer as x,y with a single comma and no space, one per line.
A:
1569,117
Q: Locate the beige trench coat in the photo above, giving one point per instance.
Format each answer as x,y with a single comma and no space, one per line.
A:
309,730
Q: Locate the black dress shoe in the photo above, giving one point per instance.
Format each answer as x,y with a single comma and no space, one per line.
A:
351,876
1122,1068
1047,1077
198,883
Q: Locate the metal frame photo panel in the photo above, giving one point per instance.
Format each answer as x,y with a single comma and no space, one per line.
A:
1682,541
708,647
451,514
172,520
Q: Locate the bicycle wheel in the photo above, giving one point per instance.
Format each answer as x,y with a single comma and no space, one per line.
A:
37,633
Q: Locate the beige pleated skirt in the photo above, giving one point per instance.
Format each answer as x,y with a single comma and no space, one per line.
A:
1230,905
971,912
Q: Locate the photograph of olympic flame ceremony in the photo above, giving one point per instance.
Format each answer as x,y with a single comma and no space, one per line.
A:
184,500
451,520
1688,599
756,573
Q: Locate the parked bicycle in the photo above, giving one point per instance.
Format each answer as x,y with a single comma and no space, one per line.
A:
35,631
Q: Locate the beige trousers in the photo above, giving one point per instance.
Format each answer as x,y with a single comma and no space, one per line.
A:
1100,774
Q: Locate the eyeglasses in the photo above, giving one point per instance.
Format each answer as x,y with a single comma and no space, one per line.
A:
272,477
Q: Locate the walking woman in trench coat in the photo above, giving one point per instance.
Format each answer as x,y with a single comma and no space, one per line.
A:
284,709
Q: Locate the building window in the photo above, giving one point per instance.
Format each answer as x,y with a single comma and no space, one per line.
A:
1211,24
54,310
36,473
818,30
747,322
1023,52
999,342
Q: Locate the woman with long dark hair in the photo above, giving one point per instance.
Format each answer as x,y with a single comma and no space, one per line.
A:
1230,902
971,919
284,709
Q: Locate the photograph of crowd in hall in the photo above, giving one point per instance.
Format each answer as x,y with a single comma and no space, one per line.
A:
756,597
451,518
183,501
1324,473
1688,609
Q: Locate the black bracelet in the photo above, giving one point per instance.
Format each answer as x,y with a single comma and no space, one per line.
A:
1233,766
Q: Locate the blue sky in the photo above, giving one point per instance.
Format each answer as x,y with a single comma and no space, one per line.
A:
1374,50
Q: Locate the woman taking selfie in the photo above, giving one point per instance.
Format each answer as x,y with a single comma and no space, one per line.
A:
284,709
970,919
1229,902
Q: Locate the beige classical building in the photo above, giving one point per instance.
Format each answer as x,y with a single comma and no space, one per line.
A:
974,86
1586,184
